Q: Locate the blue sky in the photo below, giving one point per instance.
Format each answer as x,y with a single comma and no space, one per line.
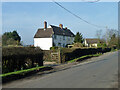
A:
27,17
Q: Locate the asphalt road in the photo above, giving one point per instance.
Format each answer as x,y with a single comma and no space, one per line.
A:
100,73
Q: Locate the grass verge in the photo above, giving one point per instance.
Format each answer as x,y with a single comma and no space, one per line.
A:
22,71
83,57
113,50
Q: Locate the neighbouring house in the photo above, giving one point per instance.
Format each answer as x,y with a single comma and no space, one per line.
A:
53,36
91,42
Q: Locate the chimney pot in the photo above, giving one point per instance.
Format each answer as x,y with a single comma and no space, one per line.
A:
45,25
61,26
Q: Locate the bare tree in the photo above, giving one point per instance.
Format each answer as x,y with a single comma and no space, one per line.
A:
112,37
112,32
99,34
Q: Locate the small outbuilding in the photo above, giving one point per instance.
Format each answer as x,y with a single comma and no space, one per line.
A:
91,42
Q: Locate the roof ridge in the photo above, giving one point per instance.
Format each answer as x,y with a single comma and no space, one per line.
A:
53,30
59,27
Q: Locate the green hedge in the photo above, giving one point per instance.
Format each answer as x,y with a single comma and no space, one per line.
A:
19,58
84,57
69,54
47,55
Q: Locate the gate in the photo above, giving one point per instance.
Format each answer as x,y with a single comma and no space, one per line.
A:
55,56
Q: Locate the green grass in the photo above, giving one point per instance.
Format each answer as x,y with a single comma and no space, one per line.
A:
21,71
114,50
76,59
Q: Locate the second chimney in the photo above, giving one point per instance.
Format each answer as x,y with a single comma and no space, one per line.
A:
61,26
45,25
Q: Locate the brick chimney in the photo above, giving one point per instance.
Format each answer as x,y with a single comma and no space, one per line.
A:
65,27
45,25
61,26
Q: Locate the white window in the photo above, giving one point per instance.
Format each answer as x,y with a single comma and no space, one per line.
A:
63,37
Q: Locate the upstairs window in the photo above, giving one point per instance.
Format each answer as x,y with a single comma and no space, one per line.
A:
63,37
55,36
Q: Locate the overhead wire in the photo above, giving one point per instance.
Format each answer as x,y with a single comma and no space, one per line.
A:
91,1
98,26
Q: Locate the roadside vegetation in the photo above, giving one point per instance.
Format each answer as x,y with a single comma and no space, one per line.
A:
84,57
18,60
22,72
111,39
11,39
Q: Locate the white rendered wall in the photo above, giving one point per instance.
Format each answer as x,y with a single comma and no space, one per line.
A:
43,43
86,43
90,45
95,44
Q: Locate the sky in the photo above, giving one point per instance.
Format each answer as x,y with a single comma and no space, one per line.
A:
27,17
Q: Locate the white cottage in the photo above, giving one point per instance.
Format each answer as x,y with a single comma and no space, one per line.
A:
91,42
53,36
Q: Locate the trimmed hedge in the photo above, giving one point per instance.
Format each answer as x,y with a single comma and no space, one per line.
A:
47,55
69,54
84,57
20,58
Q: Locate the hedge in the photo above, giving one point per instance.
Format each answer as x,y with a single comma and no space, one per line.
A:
69,54
83,57
20,58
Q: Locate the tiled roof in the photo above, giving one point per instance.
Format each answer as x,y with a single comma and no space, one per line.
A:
41,33
92,41
59,31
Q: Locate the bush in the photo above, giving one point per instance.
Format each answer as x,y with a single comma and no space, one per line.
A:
78,45
53,48
17,58
102,45
47,55
69,54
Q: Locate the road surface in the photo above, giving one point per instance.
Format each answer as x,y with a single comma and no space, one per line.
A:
101,73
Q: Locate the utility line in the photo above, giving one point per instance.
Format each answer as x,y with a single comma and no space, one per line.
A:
91,1
78,16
